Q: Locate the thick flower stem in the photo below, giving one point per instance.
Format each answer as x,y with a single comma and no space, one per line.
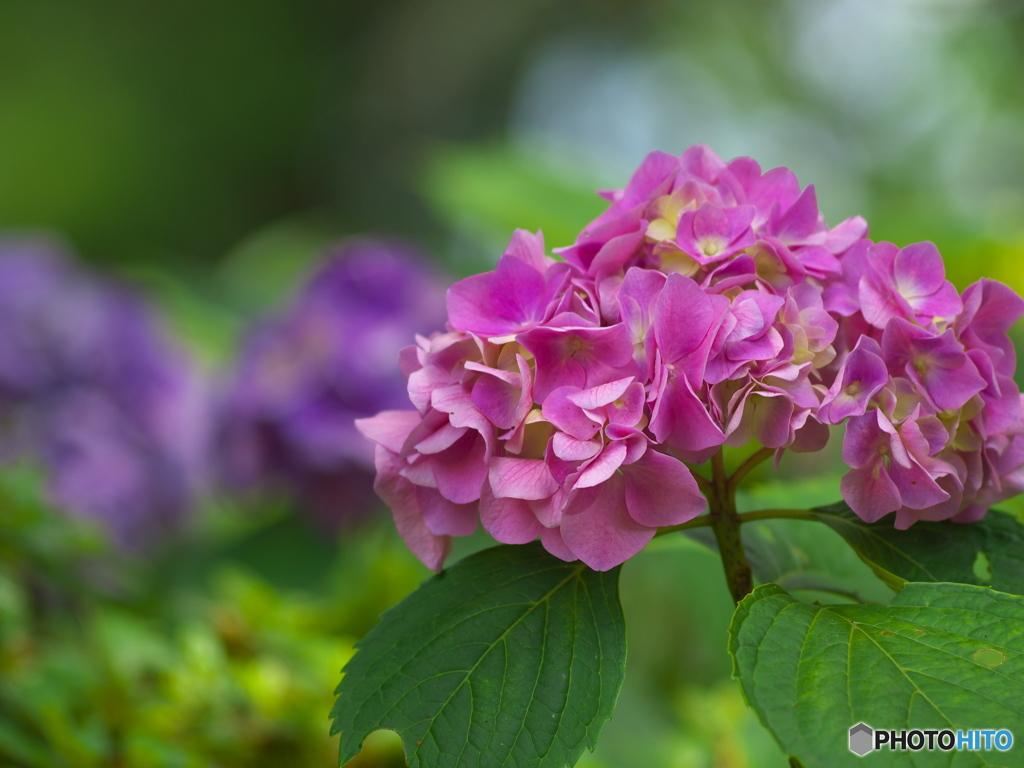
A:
725,522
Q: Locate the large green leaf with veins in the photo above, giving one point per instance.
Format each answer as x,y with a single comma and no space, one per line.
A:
511,657
938,656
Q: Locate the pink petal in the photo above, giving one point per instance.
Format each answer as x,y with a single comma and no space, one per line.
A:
560,410
389,428
551,538
660,491
916,487
520,478
683,317
568,448
603,394
461,470
870,492
799,221
919,270
510,521
405,499
598,529
681,420
444,518
604,466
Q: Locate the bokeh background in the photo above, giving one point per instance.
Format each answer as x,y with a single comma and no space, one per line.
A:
203,162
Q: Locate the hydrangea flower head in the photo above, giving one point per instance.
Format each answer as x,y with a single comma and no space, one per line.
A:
709,305
330,357
91,388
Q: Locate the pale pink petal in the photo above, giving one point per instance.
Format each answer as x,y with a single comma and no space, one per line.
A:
568,448
520,478
389,428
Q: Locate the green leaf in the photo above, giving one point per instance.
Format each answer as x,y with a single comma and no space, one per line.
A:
462,185
797,555
510,657
989,552
938,656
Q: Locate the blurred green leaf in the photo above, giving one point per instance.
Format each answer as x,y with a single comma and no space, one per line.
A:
492,190
797,554
938,656
989,552
509,656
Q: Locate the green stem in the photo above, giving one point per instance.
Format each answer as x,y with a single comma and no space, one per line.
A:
725,522
744,517
751,461
698,522
777,514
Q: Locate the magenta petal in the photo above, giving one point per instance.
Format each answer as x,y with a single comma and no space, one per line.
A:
497,399
655,169
700,162
614,254
862,376
919,270
944,303
528,248
499,302
683,317
510,521
578,357
681,420
629,408
799,221
521,479
455,401
845,234
880,303
660,491
598,529
643,287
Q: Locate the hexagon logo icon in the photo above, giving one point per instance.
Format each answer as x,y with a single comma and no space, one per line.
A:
862,739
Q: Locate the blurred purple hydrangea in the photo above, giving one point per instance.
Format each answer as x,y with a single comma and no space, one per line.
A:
90,388
328,358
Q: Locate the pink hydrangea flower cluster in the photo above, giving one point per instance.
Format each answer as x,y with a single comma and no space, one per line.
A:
709,305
